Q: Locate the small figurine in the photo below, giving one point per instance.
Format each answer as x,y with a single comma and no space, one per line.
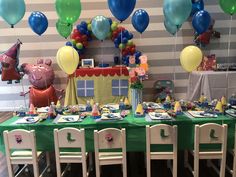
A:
167,103
88,106
232,100
91,102
177,108
127,103
59,109
143,62
121,105
219,107
51,112
95,112
223,101
139,111
32,110
202,98
132,63
21,112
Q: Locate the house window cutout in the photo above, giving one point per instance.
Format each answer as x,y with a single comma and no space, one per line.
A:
120,87
85,88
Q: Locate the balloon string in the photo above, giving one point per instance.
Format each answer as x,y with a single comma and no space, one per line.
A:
228,53
102,61
23,90
229,40
121,50
175,47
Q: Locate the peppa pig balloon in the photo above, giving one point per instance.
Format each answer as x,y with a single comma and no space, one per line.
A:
41,76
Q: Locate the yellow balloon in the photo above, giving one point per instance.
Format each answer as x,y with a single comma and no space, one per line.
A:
190,58
67,59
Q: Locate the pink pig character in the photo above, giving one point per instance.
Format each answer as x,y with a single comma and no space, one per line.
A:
41,76
143,62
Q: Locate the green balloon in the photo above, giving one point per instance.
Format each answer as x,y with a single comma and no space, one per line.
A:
79,46
68,10
73,41
89,27
228,6
64,29
121,46
130,42
114,26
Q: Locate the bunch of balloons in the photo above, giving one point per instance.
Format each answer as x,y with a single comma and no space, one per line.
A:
80,37
102,28
68,12
122,39
38,22
12,11
176,12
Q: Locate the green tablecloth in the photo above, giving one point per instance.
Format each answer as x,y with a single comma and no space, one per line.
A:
135,130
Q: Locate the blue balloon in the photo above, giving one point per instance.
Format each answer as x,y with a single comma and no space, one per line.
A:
12,11
201,21
38,22
82,30
117,41
131,36
69,43
125,33
172,29
140,20
83,24
197,6
121,9
124,40
137,54
110,20
78,26
100,27
177,11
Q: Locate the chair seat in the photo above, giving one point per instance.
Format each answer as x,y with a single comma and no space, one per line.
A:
24,153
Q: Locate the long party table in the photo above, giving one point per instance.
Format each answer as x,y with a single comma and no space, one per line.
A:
135,131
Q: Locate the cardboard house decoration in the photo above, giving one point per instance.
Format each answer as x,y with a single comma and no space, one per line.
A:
103,85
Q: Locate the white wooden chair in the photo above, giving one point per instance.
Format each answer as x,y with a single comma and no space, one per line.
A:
20,146
161,134
209,133
110,138
70,138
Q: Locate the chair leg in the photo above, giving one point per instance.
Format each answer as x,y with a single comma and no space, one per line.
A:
148,167
10,171
84,168
175,167
58,168
36,169
222,168
124,167
97,170
196,167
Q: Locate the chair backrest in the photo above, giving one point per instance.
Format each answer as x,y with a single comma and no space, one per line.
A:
110,138
69,138
161,134
211,133
19,139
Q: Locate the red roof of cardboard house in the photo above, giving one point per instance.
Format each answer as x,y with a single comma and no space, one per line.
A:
81,72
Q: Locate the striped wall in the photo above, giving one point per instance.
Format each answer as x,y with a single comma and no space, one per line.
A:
155,42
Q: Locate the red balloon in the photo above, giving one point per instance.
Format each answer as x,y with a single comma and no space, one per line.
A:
121,28
124,52
84,38
85,43
78,39
132,50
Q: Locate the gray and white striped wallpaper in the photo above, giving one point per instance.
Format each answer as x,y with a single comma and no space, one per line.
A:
155,42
